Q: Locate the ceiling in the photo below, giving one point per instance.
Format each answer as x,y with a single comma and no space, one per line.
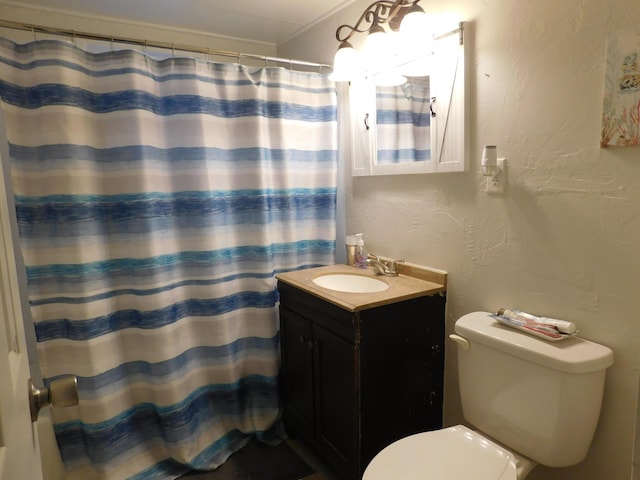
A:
269,21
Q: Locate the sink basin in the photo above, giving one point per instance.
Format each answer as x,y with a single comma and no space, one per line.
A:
350,283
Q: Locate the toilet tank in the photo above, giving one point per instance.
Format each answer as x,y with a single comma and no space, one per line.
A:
539,398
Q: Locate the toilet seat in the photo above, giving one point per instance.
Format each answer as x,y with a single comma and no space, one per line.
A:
452,453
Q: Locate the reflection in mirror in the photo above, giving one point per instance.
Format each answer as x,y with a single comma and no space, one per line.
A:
403,122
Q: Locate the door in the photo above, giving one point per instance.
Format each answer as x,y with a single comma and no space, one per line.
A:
19,445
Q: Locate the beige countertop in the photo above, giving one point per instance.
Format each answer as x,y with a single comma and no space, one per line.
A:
413,281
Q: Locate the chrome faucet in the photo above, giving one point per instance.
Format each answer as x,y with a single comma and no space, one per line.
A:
381,267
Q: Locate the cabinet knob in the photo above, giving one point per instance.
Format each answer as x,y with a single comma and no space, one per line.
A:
306,340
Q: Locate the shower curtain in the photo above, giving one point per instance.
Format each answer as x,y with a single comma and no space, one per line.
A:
156,199
403,122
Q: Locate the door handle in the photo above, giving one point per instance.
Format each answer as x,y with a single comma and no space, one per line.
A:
62,392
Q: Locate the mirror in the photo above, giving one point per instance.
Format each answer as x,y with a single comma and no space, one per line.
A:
418,127
403,122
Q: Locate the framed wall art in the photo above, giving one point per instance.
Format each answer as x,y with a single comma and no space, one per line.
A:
621,106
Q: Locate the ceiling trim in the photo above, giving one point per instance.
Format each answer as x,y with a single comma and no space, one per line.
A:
321,18
125,21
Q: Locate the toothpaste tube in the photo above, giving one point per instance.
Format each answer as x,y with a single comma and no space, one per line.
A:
533,327
562,326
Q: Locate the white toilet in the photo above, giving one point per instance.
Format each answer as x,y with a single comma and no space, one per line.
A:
530,401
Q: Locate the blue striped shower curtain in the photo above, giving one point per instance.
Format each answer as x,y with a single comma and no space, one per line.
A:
403,122
156,199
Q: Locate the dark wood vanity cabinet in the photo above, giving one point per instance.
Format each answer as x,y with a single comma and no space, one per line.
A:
353,382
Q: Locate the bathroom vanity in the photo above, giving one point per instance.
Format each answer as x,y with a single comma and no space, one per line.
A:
361,370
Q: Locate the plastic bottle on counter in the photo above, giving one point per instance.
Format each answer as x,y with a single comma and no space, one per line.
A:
361,252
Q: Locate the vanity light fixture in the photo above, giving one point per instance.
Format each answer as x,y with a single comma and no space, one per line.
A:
395,31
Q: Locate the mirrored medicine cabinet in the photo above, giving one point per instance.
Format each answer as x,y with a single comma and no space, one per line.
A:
417,127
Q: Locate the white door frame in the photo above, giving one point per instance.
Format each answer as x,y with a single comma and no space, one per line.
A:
27,450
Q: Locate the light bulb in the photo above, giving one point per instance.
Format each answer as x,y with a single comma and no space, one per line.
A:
375,45
346,64
417,43
380,51
415,24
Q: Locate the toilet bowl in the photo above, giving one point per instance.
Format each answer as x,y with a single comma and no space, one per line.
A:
504,377
452,453
449,454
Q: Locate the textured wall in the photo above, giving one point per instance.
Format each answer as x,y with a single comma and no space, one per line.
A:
563,239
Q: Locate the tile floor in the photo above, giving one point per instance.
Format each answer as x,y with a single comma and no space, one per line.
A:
322,472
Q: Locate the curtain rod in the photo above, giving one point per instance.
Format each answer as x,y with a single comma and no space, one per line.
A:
164,45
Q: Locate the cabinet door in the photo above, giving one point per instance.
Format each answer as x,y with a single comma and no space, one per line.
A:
337,403
296,374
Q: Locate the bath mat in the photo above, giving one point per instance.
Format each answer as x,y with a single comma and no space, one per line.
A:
257,461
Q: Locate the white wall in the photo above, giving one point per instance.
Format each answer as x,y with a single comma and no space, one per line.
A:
563,240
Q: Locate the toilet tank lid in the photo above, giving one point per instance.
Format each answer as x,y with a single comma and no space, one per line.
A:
573,355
